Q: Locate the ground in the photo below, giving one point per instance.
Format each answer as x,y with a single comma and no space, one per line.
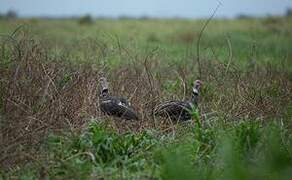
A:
51,126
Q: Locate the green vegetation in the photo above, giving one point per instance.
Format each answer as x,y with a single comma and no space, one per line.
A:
243,150
51,126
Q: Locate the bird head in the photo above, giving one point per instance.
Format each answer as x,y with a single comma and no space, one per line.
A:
197,87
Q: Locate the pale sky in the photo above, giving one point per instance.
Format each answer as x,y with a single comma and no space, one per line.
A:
152,8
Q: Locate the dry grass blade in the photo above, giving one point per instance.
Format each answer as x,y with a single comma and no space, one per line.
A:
230,54
200,37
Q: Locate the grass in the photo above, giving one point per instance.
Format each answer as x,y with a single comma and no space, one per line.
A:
51,126
243,150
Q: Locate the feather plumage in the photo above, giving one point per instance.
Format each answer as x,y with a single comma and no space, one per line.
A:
179,110
115,106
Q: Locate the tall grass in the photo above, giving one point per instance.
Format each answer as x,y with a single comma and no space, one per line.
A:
49,96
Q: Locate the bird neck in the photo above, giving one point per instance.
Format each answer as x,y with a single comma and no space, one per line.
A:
195,96
194,99
104,93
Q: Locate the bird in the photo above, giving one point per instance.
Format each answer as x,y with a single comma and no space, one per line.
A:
115,106
180,110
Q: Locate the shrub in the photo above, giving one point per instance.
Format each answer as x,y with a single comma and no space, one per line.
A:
85,20
11,14
289,12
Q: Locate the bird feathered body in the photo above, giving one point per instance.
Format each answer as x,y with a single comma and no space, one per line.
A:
175,110
179,110
115,106
119,107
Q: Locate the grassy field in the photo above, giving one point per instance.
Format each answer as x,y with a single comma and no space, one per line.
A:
51,126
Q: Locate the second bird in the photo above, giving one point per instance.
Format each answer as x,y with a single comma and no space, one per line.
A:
180,110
